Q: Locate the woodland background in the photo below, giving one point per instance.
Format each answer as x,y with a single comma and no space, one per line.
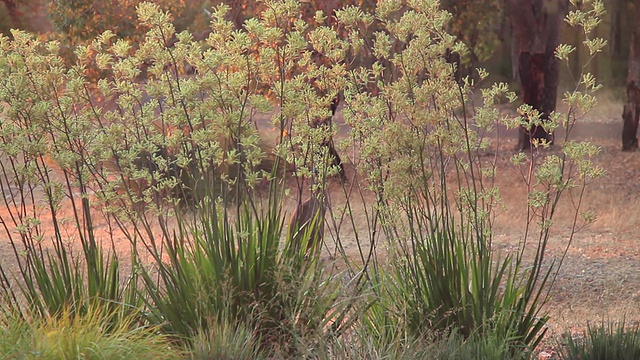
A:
483,25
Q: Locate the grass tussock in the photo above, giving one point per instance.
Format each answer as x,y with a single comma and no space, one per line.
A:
609,340
84,337
224,340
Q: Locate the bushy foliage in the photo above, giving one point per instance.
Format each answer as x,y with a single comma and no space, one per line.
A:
146,142
479,25
82,20
421,154
176,163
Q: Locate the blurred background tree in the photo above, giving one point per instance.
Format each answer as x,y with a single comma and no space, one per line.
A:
29,15
481,24
85,19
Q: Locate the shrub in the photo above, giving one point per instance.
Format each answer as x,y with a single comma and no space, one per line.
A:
419,140
234,269
421,154
140,143
37,131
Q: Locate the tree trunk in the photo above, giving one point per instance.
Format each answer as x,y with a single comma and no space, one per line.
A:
616,9
631,111
14,14
514,56
539,75
536,27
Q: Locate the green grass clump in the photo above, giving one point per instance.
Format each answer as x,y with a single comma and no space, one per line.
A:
224,340
83,337
609,341
231,267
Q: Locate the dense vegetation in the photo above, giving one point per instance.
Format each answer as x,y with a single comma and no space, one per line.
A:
155,142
